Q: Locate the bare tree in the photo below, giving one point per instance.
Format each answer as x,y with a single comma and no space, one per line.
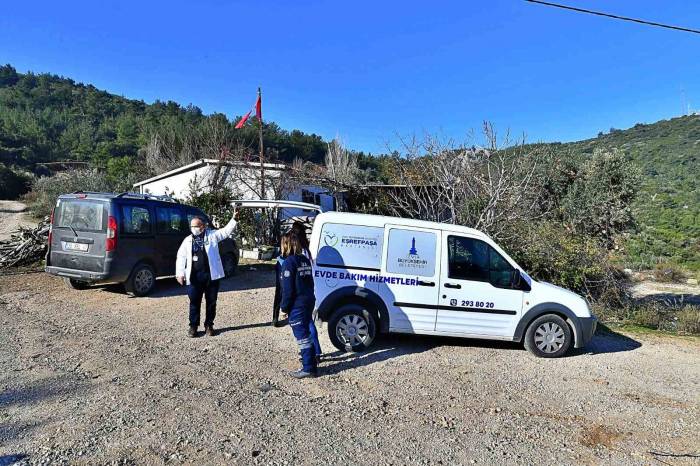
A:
488,187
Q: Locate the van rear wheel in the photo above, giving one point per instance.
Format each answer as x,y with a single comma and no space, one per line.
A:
76,284
352,328
141,281
548,336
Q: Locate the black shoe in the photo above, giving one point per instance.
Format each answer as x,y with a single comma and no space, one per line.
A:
209,330
301,374
192,332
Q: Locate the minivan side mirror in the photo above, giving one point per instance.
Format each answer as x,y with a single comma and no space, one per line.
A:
517,281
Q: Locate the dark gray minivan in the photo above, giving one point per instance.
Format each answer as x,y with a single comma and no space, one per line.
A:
128,238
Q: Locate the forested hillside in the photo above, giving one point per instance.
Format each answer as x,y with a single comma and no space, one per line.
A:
46,118
667,207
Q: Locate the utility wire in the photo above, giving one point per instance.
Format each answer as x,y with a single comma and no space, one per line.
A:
608,15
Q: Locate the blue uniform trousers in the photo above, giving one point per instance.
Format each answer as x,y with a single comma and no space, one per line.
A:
299,319
314,337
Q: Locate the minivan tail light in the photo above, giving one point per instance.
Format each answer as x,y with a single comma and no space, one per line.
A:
111,241
51,227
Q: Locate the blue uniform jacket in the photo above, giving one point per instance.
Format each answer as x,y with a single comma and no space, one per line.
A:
297,282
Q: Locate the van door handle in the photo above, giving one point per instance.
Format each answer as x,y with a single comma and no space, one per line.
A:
422,283
453,285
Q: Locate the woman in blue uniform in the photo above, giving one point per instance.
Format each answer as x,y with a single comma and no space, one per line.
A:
297,300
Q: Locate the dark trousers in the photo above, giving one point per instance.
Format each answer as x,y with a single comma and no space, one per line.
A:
201,285
299,319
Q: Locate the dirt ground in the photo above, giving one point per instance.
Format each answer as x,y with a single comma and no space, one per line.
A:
12,216
96,377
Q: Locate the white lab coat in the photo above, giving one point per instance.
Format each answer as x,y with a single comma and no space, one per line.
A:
183,265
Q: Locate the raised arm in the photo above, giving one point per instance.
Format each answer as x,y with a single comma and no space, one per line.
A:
223,233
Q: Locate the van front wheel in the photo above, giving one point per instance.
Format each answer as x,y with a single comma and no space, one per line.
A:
548,336
352,328
141,281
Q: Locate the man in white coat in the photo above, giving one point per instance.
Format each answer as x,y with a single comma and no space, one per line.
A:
199,266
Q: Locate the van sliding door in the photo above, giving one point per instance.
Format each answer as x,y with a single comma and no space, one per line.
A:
410,277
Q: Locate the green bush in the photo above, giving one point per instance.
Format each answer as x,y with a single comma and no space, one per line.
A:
13,183
550,252
45,190
668,272
689,320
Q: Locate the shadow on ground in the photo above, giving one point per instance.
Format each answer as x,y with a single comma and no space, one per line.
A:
247,278
397,345
607,340
7,460
671,299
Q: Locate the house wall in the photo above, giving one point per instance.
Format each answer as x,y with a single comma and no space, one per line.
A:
178,186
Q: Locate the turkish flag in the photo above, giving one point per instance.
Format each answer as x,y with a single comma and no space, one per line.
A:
240,124
258,108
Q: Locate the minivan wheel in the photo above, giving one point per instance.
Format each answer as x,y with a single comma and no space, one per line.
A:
548,336
352,328
141,281
76,284
230,264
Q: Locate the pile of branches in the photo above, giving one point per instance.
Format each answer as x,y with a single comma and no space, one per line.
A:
26,246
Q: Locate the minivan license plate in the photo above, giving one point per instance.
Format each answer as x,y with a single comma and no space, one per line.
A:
75,247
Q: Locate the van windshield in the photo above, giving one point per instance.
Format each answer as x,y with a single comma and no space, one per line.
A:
80,215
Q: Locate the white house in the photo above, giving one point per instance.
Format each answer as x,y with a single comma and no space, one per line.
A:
241,177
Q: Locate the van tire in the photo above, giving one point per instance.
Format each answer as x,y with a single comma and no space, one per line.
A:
76,284
548,336
141,281
229,262
359,321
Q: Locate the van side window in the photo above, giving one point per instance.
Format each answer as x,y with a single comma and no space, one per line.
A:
350,246
411,252
170,220
468,259
473,259
136,220
501,272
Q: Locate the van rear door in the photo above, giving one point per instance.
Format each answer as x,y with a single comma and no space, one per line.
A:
409,277
79,233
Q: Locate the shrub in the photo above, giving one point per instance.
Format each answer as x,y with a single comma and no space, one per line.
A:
554,254
45,190
668,272
689,319
13,183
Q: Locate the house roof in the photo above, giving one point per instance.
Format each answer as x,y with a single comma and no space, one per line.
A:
203,162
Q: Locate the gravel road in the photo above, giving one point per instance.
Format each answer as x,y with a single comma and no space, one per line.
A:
96,377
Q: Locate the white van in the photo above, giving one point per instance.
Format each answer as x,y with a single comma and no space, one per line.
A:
384,274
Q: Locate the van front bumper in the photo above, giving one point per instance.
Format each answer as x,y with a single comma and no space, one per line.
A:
77,274
588,327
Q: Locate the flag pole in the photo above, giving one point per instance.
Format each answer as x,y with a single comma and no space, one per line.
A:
262,152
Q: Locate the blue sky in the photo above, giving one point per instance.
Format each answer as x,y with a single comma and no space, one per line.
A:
371,70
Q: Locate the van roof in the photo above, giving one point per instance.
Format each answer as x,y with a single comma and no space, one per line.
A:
123,195
381,220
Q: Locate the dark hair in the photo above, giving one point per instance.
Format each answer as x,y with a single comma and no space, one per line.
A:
291,244
300,230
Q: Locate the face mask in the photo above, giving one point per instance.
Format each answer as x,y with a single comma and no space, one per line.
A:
196,231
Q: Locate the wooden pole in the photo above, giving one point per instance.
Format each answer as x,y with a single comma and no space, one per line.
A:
262,151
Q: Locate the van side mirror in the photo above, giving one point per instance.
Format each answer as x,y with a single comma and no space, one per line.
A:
517,281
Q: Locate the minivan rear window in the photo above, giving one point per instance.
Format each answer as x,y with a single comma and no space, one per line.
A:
350,246
82,215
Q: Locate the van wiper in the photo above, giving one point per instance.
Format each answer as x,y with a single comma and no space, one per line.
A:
73,230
